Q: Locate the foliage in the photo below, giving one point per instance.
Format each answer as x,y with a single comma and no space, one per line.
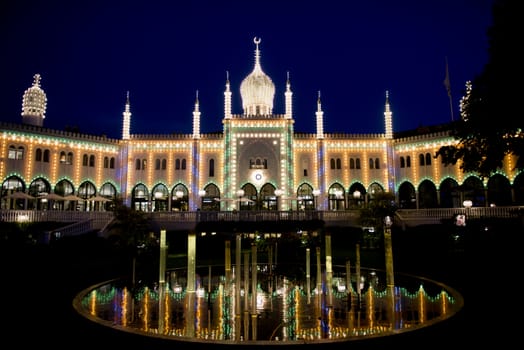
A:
131,226
491,126
382,205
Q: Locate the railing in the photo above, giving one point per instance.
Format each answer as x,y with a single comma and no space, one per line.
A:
409,217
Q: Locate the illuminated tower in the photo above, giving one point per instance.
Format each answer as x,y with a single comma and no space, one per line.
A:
126,126
227,98
289,94
388,119
34,104
196,119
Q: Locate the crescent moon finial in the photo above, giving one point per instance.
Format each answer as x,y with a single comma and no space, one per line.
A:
256,40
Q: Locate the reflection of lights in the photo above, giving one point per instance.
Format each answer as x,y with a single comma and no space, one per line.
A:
338,193
179,194
467,203
158,195
356,194
140,193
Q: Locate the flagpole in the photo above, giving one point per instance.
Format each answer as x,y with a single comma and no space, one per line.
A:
447,84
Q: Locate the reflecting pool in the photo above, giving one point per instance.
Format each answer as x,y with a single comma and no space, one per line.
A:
259,303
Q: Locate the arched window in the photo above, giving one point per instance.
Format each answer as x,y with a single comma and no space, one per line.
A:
421,159
164,164
357,164
46,156
177,164
402,162
339,164
408,162
38,155
428,159
377,163
371,163
332,163
106,162
91,161
112,163
184,164
138,164
157,164
211,167
85,160
351,163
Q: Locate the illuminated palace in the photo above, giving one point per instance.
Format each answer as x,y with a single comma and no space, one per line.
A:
258,162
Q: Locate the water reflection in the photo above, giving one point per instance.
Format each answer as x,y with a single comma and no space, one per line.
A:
281,309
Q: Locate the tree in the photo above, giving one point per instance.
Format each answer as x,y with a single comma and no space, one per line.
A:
491,126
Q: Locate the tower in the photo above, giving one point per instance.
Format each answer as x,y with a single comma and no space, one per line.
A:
34,104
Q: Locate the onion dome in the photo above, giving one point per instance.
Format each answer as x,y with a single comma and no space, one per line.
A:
257,90
34,104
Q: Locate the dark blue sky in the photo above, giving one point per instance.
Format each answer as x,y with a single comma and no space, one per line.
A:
90,53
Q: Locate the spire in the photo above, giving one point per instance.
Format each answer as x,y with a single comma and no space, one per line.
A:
196,119
126,128
34,104
288,95
227,98
388,118
320,119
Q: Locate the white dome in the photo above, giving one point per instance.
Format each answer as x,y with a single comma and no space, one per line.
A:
257,89
34,104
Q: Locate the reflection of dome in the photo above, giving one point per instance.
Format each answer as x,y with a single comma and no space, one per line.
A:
257,89
34,104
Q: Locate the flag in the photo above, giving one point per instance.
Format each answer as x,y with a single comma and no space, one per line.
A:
447,83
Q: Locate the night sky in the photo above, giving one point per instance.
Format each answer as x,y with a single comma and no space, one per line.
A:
90,53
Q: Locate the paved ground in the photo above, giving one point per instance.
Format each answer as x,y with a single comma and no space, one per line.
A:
39,283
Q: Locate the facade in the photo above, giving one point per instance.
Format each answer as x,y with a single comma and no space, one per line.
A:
258,162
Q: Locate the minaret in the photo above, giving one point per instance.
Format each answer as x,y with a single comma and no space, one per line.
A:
196,119
34,104
227,98
288,94
320,119
126,127
388,118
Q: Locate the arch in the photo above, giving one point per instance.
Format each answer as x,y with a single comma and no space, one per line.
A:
180,198
86,190
499,190
305,197
407,196
11,185
160,197
39,187
250,193
450,194
358,193
268,199
139,197
336,197
427,195
473,189
210,200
